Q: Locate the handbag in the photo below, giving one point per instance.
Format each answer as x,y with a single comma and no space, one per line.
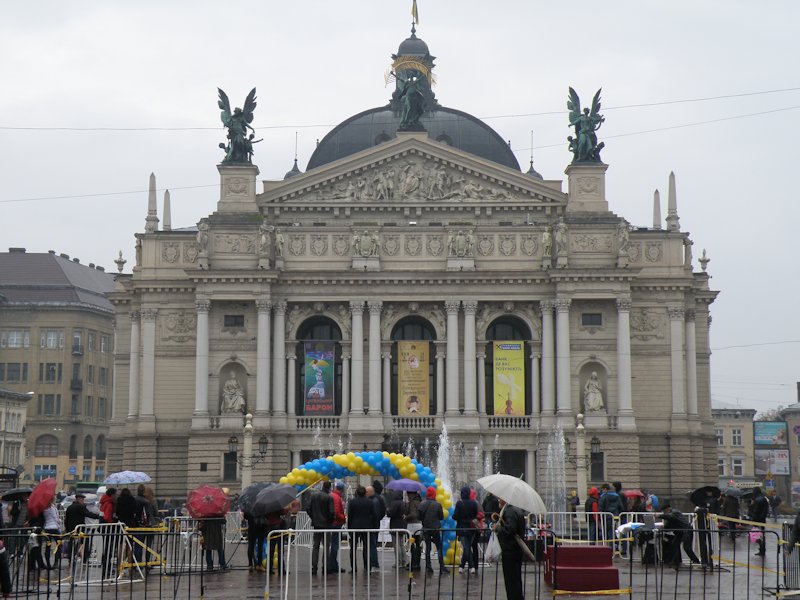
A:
755,536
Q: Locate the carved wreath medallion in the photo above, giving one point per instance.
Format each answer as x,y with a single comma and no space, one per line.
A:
529,244
413,245
508,244
319,244
485,245
297,244
171,252
391,244
653,251
435,245
190,252
341,244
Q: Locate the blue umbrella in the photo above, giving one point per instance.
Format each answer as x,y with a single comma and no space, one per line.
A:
123,477
406,485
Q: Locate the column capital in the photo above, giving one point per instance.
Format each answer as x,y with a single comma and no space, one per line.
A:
375,307
357,307
135,316
623,303
470,307
149,314
263,305
480,355
386,355
676,313
291,356
690,314
280,307
547,305
452,306
202,305
562,304
345,355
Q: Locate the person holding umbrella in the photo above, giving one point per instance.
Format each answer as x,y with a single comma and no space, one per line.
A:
510,530
679,525
759,509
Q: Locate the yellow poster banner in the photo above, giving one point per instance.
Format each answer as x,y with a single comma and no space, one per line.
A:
412,379
509,378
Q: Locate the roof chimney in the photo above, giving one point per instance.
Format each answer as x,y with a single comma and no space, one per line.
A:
62,255
76,260
51,251
17,250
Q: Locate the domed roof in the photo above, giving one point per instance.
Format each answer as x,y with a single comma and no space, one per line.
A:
413,46
377,125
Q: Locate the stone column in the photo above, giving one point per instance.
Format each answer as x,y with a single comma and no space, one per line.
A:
481,357
375,387
133,383
345,378
530,467
451,385
291,378
535,396
676,315
691,364
548,358
440,378
470,401
201,359
149,316
263,307
279,360
563,364
357,363
626,418
386,355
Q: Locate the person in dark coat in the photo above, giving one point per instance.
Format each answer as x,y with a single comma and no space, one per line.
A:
466,517
759,509
610,502
360,515
126,509
731,509
322,512
256,536
375,493
708,505
76,515
396,511
795,535
677,523
509,528
213,540
592,510
431,515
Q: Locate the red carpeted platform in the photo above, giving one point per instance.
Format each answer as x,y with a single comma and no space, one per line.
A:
581,568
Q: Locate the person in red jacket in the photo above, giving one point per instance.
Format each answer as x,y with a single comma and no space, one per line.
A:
108,504
592,508
108,507
338,521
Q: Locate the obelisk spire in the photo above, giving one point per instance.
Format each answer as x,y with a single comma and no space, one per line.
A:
673,223
167,226
151,222
656,210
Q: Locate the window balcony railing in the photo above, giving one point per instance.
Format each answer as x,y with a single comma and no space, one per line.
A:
508,422
414,423
77,349
321,423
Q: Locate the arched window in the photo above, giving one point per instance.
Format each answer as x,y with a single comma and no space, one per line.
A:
318,334
46,445
511,329
414,329
100,447
87,447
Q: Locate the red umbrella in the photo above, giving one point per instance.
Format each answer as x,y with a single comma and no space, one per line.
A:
207,501
633,493
41,496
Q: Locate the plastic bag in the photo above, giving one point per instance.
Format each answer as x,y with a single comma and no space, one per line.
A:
492,552
755,536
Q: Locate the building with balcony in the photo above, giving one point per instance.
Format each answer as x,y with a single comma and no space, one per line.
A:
411,282
56,335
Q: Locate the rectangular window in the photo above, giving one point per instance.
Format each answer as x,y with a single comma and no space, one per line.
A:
14,372
597,469
592,319
50,372
229,466
87,472
90,374
99,473
75,406
76,370
89,406
2,371
737,467
720,433
736,437
721,467
103,374
234,321
18,338
52,338
104,343
49,404
43,472
101,408
91,341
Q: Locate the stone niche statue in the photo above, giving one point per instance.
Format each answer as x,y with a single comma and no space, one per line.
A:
460,243
547,243
264,239
593,394
561,237
233,397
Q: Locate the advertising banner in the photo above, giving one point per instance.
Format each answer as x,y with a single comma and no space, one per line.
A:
509,378
412,379
770,433
319,378
774,462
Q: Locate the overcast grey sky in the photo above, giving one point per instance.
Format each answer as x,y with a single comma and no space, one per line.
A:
157,64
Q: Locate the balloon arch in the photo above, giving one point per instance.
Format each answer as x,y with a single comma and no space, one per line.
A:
387,464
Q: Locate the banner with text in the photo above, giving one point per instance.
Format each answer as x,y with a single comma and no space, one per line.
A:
509,378
319,378
412,379
770,433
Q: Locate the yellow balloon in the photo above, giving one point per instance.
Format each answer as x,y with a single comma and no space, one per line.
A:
414,476
284,480
438,483
290,479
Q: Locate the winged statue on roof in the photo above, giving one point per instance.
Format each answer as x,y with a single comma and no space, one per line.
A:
584,144
239,148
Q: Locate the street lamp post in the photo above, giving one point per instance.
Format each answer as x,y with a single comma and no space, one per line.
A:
248,459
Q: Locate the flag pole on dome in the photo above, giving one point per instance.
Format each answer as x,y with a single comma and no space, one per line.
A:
414,13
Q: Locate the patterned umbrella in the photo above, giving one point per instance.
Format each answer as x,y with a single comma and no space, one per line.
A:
123,477
41,496
207,501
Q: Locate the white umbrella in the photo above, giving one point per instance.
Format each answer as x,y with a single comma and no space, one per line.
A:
514,491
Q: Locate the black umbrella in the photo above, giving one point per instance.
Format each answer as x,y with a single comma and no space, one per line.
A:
274,497
16,493
733,492
702,495
248,496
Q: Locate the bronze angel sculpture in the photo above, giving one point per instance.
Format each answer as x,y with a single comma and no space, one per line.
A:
239,148
584,145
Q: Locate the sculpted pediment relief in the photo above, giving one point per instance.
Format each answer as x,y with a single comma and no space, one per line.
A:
412,175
